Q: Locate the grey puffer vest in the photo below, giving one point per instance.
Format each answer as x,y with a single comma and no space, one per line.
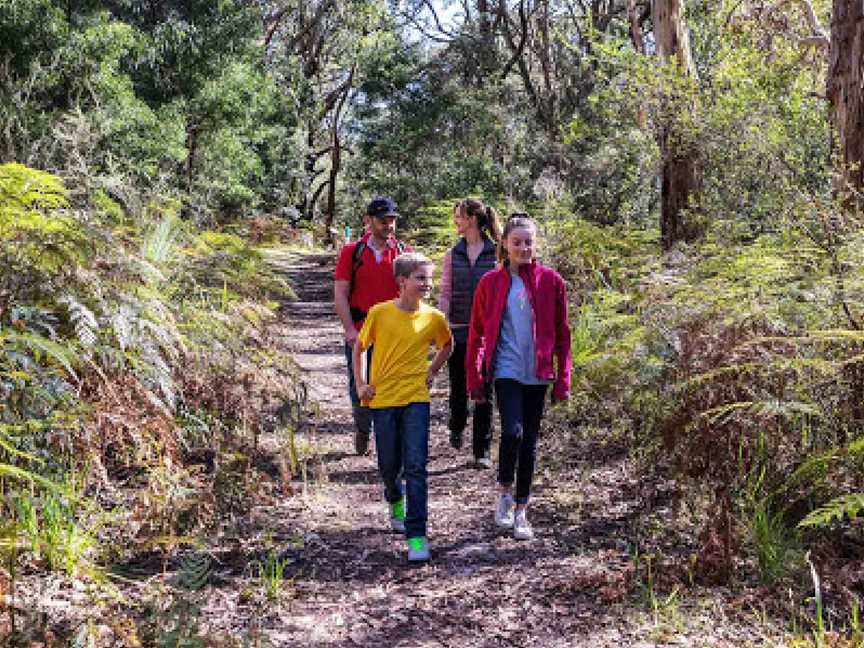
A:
466,276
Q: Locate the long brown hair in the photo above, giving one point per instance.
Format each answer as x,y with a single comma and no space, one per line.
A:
487,218
516,220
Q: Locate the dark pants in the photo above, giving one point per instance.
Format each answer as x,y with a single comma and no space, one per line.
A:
362,415
521,409
402,442
482,437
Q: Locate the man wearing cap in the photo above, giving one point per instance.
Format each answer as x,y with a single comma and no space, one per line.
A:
363,278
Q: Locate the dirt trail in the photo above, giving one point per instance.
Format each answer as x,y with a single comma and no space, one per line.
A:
348,583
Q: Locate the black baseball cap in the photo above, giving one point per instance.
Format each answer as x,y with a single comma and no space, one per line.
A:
382,207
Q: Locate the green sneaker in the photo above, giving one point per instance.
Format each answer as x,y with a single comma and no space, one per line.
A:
418,549
397,515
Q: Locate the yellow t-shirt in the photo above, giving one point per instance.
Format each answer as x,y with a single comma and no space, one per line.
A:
401,356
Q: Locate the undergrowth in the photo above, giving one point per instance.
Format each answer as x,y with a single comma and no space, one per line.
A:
734,367
136,379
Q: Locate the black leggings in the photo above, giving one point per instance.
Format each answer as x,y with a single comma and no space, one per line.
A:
482,432
521,409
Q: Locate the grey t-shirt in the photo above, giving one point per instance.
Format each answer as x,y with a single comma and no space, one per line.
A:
514,357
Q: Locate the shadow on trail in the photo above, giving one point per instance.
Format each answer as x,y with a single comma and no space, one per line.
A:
366,555
361,476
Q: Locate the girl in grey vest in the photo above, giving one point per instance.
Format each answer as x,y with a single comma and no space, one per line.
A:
473,256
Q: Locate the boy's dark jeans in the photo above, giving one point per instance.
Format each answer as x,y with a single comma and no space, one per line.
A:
521,409
482,438
402,441
362,415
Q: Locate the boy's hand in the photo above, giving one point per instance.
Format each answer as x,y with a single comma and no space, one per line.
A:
430,378
366,392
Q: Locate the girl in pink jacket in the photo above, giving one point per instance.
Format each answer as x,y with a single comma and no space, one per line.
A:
519,339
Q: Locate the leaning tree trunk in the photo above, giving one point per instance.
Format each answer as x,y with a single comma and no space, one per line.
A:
336,157
679,174
846,95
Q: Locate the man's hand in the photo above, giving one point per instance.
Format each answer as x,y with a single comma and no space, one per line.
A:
351,335
366,392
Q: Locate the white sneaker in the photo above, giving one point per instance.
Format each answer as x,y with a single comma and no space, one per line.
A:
521,529
504,512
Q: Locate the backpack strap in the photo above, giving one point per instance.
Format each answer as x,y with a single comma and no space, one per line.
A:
356,262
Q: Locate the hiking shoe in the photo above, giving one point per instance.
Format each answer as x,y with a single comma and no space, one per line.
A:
418,549
455,439
521,528
504,512
361,442
397,515
482,463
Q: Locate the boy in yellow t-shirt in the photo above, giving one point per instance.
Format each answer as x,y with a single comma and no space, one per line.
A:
402,331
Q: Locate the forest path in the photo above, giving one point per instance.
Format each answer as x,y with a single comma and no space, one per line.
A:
347,582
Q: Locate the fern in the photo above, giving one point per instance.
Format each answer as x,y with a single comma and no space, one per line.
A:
19,474
123,326
83,320
160,244
815,468
836,509
44,349
194,572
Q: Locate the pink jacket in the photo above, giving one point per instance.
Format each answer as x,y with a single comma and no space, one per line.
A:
548,296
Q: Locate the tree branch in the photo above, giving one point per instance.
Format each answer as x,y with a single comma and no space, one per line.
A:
518,50
273,22
820,36
636,36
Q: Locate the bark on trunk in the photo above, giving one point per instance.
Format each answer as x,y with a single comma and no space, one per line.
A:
638,40
678,182
846,94
636,36
679,177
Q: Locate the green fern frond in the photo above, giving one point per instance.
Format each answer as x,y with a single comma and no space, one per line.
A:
194,571
160,245
25,475
784,409
814,469
83,320
122,323
41,348
839,507
23,188
6,445
856,448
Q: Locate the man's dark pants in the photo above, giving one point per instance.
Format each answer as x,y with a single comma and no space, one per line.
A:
362,415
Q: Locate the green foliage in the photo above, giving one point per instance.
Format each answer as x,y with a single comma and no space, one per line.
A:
228,267
432,230
749,116
835,510
435,138
194,571
271,574
775,544
51,527
39,241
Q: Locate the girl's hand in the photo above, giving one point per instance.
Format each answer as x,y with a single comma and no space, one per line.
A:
366,392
